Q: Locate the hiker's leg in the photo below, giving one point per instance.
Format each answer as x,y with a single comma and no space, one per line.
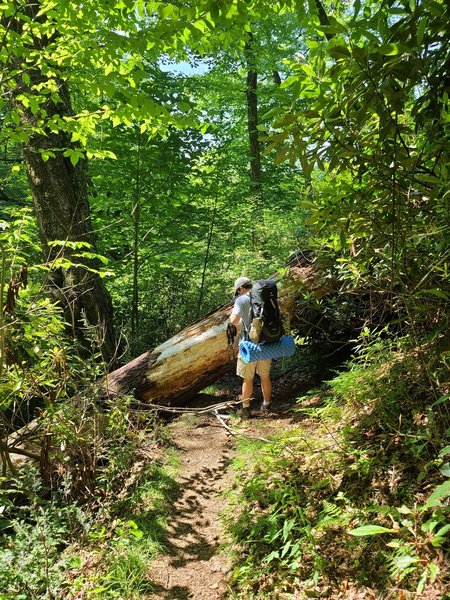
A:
247,391
247,372
266,387
263,369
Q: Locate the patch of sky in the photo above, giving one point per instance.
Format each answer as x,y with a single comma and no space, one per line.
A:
184,67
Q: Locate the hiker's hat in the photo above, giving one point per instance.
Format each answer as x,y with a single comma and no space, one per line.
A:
242,282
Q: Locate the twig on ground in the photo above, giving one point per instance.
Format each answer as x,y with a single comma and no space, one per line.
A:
141,407
222,422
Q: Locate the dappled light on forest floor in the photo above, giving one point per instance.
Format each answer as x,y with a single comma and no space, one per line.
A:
192,565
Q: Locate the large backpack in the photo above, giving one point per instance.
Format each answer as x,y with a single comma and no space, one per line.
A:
264,305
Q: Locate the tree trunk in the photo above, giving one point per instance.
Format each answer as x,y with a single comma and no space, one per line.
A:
254,144
175,371
252,116
207,251
59,191
323,18
136,216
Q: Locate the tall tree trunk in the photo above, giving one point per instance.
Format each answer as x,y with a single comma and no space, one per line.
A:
252,124
276,77
59,190
323,18
205,262
136,214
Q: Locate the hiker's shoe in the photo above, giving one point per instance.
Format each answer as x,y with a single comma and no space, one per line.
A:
265,410
244,412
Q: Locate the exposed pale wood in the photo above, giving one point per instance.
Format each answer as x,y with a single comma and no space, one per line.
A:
21,447
180,367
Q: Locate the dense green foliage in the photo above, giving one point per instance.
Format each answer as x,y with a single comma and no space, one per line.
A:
367,458
353,121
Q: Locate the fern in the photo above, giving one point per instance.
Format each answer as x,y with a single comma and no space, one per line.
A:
404,561
333,516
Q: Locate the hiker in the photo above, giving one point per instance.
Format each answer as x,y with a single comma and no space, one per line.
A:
241,317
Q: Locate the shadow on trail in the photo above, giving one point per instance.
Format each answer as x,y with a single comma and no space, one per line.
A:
190,539
186,524
177,592
191,543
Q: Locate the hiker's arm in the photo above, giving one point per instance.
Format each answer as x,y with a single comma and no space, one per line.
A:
235,319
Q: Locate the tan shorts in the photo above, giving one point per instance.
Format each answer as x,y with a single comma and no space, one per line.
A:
248,370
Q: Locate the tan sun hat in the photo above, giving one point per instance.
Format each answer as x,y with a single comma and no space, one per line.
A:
242,282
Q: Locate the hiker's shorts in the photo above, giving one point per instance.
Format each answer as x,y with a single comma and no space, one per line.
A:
248,370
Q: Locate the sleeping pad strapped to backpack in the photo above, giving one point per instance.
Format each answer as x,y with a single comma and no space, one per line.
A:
264,304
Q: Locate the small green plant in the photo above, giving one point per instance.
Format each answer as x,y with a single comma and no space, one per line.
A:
32,564
125,545
416,532
269,520
126,574
374,439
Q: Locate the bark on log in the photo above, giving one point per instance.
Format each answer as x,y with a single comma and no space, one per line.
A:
175,371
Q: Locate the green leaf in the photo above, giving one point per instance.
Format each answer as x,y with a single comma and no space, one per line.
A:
370,530
309,70
389,49
403,562
441,400
338,52
287,83
446,470
435,8
446,449
335,26
274,111
404,510
307,204
421,30
434,571
286,549
272,556
437,292
440,493
443,530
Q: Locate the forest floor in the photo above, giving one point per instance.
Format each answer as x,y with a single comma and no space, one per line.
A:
193,565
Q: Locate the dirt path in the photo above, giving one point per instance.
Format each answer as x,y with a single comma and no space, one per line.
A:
193,566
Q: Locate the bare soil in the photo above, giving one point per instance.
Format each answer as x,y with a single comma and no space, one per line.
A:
193,565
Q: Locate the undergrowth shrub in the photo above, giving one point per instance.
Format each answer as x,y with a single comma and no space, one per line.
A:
34,530
355,497
68,471
95,518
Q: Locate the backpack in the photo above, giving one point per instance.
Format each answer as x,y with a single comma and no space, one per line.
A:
266,317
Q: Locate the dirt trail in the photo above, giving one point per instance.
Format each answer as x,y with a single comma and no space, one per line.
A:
193,566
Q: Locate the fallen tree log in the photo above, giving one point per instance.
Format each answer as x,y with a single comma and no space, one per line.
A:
172,373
